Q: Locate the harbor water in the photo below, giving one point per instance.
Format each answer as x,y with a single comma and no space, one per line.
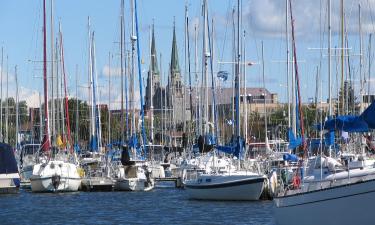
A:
160,206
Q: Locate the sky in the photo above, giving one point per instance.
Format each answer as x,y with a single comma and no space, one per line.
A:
262,21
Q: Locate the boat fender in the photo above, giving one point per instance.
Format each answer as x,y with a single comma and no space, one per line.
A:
296,182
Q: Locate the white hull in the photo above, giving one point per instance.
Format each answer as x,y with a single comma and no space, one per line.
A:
45,184
133,184
55,176
233,189
9,183
344,205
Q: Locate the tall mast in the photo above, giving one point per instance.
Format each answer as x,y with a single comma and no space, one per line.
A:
109,99
329,59
140,80
151,89
185,73
69,138
56,126
360,59
342,59
206,54
198,111
7,104
46,139
122,68
53,119
245,94
264,103
237,81
92,110
77,107
17,113
133,38
287,59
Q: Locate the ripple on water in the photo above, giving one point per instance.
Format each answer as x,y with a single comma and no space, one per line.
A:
160,206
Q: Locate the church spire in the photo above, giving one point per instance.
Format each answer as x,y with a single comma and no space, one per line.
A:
154,59
175,67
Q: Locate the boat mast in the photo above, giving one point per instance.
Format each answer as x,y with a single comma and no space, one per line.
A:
198,90
53,118
329,59
7,104
77,107
140,80
360,59
151,90
92,111
206,54
133,38
17,113
245,94
342,59
287,60
46,139
122,69
69,138
109,98
237,73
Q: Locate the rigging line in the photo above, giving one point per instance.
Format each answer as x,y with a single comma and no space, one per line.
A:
225,33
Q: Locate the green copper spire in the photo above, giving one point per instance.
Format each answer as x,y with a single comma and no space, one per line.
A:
175,68
154,59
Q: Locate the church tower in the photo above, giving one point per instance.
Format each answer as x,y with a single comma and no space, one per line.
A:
175,86
154,72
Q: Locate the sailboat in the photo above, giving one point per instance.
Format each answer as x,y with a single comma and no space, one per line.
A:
9,176
330,192
133,174
231,184
97,174
51,175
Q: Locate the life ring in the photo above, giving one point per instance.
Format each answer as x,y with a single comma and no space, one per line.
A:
296,182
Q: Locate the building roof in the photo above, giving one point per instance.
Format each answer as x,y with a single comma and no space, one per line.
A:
224,96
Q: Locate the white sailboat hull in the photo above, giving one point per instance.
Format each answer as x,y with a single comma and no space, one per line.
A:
8,183
233,189
133,184
45,184
55,176
344,205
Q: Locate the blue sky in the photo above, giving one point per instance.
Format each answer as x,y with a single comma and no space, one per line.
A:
21,37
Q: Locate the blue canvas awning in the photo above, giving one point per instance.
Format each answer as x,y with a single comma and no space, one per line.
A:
350,123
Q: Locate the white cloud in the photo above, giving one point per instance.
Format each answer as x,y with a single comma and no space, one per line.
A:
114,71
266,18
30,96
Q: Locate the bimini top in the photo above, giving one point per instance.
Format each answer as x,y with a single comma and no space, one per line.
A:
8,162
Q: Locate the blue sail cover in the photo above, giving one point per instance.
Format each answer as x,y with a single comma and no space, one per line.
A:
94,144
293,141
235,147
8,163
350,123
369,116
346,123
